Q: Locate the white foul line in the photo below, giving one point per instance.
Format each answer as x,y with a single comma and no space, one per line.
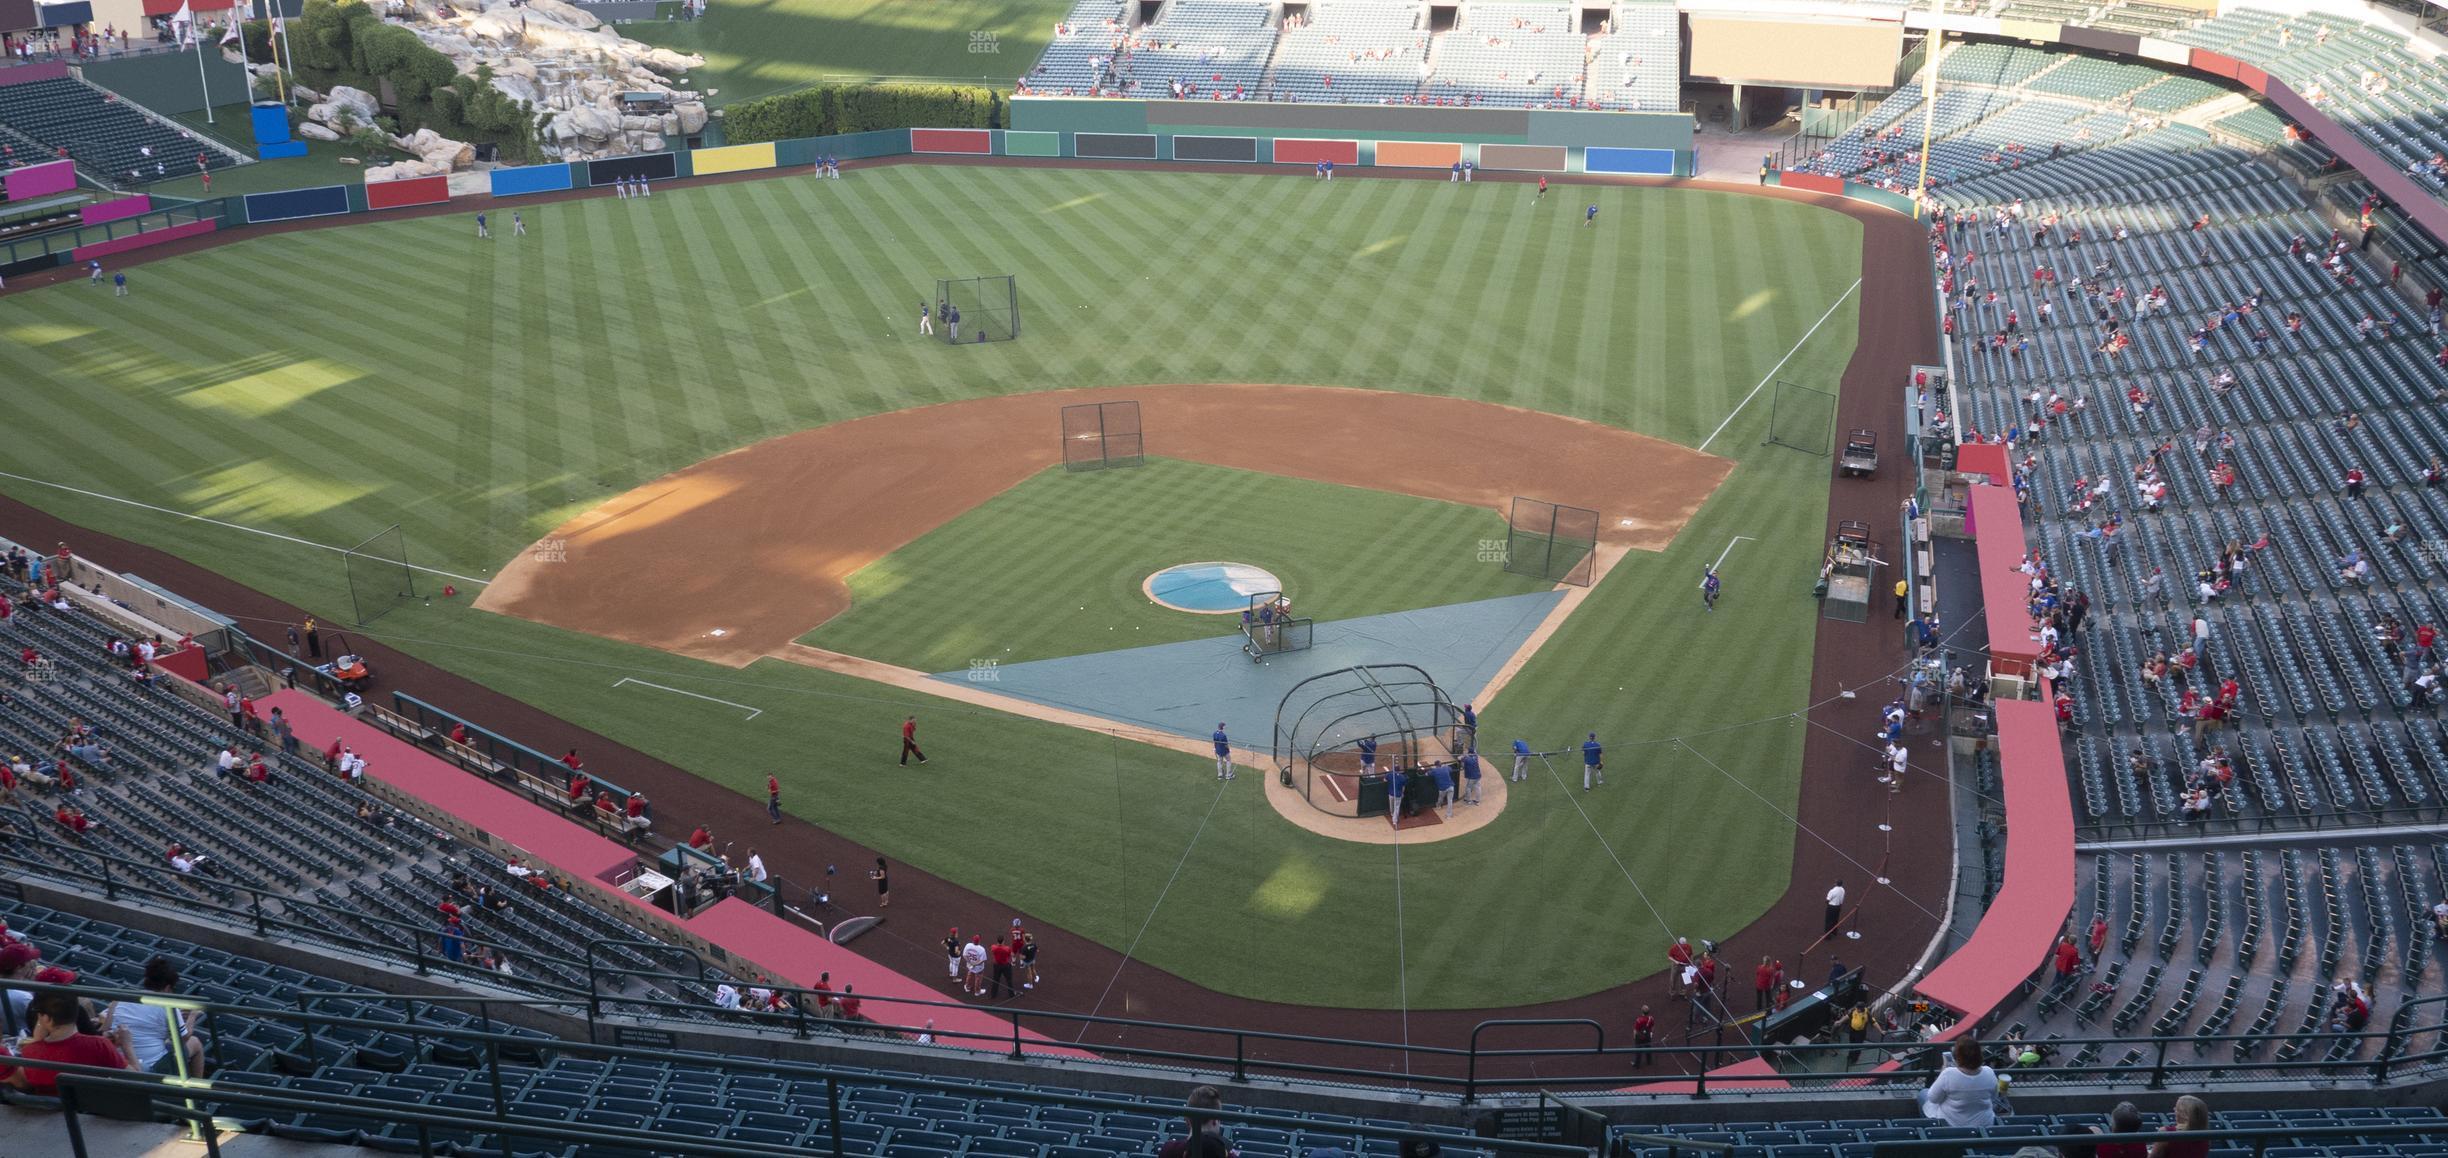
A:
1729,550
232,526
752,712
1764,378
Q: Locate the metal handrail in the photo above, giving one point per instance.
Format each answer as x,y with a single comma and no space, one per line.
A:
1610,1066
494,1043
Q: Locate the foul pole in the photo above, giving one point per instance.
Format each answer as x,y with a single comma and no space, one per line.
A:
1929,99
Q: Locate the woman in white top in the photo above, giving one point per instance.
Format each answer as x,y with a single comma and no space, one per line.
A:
1966,1093
148,1026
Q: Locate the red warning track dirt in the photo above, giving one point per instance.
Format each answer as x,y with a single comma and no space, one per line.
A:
793,517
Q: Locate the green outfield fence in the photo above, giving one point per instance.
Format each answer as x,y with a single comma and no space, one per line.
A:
1224,133
601,994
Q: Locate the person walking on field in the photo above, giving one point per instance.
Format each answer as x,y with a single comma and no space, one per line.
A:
909,741
1708,588
773,799
1593,763
1835,906
881,874
926,319
518,224
1521,760
1223,754
481,231
952,953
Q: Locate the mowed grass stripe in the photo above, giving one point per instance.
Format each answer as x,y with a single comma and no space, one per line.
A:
1254,278
1054,566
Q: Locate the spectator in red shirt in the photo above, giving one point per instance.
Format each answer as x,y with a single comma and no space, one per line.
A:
331,755
575,764
1764,982
999,957
578,786
2123,1120
701,838
773,798
2069,958
458,734
636,812
2099,936
848,1004
1680,955
56,1039
2191,1114
823,990
71,818
1644,1031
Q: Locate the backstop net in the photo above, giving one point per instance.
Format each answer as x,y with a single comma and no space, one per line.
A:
379,577
1099,435
1337,735
1551,541
977,309
1268,627
1802,418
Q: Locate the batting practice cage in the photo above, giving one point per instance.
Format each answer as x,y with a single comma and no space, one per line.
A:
1098,435
378,574
988,309
1268,627
1338,734
1802,418
1556,543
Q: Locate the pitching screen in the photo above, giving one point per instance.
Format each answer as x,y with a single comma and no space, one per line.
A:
1840,54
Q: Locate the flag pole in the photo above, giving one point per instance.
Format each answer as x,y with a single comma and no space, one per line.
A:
202,81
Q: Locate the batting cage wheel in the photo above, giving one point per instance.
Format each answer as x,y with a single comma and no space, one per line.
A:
1327,725
970,310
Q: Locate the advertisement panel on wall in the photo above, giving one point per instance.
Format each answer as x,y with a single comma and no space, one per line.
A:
1833,53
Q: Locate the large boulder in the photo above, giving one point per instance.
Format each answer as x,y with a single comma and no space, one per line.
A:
560,13
358,102
439,151
314,132
692,116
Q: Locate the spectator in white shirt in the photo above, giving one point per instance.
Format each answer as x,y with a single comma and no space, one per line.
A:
149,1027
352,765
228,760
1966,1093
756,867
726,996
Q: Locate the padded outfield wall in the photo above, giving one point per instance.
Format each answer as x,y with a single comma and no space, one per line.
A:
1534,140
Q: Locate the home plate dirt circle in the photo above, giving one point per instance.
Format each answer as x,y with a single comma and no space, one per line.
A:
1467,818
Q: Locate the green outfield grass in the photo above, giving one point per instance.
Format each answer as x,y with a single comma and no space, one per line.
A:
757,48
480,393
1070,552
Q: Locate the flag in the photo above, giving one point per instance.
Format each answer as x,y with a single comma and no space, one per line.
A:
182,22
229,32
276,26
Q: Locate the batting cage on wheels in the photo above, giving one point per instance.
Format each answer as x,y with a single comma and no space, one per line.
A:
379,577
1268,627
1101,435
977,309
1551,541
1338,735
1802,418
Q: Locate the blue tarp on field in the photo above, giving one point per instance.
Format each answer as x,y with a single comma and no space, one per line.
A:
1184,688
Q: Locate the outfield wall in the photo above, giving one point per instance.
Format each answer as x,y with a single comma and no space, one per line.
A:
1388,136
1549,142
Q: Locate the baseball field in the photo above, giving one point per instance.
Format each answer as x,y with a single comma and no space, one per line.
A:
643,373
